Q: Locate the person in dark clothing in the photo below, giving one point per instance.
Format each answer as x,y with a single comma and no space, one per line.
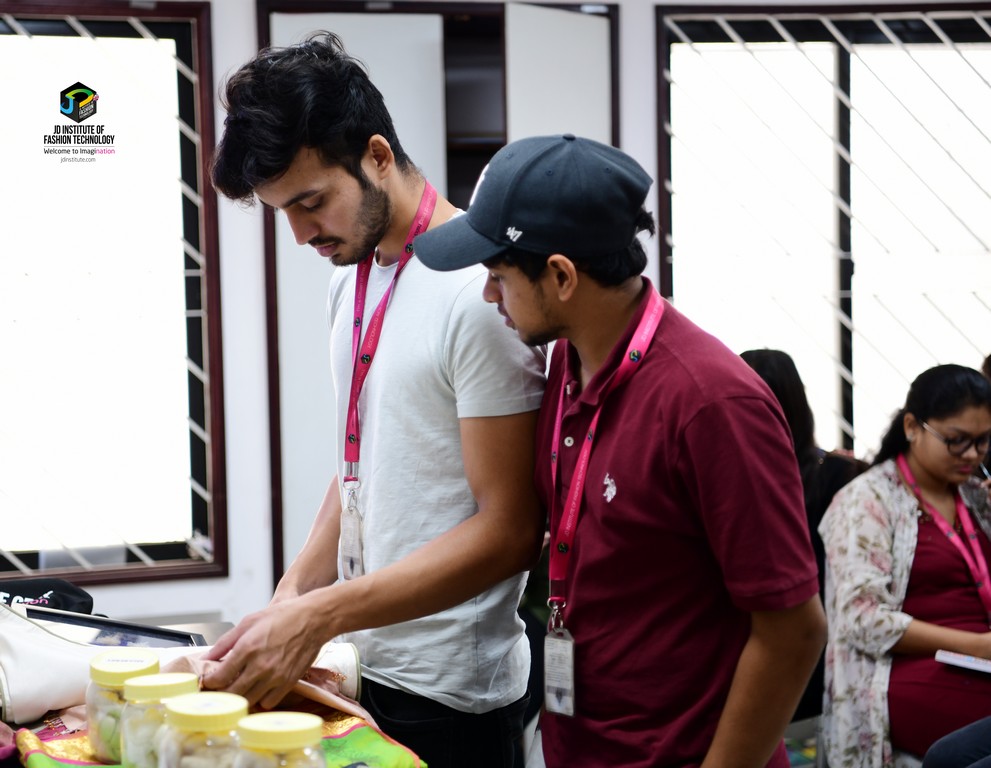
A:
823,473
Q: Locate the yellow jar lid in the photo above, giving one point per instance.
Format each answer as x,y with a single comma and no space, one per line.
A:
280,731
112,668
209,711
155,687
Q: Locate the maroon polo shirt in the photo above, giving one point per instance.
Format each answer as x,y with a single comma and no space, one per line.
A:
692,517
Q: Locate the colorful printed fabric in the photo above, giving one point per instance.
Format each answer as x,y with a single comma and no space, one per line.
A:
348,742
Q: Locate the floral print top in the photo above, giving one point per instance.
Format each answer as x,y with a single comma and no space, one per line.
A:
869,531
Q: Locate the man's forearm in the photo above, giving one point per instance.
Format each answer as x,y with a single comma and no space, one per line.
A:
771,674
316,564
470,558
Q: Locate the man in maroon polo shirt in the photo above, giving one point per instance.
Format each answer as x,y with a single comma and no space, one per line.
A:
685,610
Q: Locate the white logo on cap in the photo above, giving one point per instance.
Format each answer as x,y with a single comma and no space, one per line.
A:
513,233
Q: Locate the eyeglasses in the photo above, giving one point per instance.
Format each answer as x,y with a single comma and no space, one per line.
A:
958,446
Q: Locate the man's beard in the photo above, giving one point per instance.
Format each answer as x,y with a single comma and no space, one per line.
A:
550,332
373,220
541,338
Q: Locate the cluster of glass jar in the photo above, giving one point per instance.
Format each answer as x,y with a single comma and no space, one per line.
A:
205,730
142,719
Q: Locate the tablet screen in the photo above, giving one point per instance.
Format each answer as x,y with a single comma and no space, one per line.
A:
99,630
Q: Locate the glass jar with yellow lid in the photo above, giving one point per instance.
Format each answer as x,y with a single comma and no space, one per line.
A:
108,672
201,730
280,740
143,719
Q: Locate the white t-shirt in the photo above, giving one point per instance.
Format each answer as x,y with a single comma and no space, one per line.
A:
443,354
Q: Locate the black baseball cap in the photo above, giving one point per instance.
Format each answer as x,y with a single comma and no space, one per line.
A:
544,194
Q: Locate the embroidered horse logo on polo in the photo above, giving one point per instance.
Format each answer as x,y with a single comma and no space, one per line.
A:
610,492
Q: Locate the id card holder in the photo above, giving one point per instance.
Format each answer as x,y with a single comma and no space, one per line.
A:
351,549
559,672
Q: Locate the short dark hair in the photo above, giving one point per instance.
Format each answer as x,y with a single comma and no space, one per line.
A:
936,393
609,269
308,95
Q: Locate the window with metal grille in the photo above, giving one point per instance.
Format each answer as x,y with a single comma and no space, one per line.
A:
827,191
111,443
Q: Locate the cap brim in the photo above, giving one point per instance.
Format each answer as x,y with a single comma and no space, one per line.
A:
454,245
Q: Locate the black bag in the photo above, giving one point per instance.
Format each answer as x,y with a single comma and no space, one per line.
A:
47,593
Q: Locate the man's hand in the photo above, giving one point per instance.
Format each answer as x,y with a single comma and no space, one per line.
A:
266,654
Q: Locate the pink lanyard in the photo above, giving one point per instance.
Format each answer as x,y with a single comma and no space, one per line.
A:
352,445
973,556
563,538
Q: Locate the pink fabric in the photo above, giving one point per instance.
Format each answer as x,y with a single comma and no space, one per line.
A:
7,744
318,685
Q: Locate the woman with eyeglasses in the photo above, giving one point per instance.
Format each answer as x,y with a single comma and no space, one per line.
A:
907,557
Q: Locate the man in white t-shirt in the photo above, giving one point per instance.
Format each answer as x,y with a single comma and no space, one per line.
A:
419,551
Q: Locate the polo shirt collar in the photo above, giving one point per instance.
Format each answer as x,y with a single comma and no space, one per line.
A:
592,395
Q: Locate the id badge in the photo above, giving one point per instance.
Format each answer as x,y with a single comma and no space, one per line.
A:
351,558
559,672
